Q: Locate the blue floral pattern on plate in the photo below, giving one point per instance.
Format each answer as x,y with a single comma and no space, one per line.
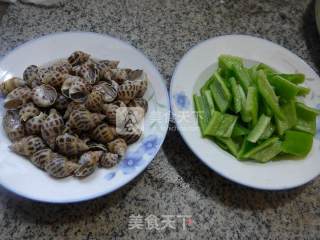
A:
135,159
181,100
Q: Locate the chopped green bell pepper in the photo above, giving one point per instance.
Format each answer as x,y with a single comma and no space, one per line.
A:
268,153
252,103
283,87
231,145
268,94
220,92
261,146
237,105
289,110
227,61
239,130
220,125
303,91
259,128
242,76
306,118
295,78
297,143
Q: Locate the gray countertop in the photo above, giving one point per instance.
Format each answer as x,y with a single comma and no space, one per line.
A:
176,182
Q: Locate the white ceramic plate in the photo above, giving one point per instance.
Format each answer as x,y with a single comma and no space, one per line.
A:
191,73
21,177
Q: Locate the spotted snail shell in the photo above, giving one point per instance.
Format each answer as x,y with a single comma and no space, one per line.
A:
108,90
73,106
52,127
118,75
61,102
78,57
88,71
94,101
118,146
140,78
103,133
94,146
69,145
9,85
79,90
54,78
130,133
44,95
28,145
31,74
33,125
139,102
28,111
128,91
83,120
116,112
88,162
69,80
62,66
12,125
41,157
17,98
109,160
60,167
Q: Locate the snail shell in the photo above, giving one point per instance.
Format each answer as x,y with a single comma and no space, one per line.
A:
31,75
41,157
52,127
139,102
83,120
73,106
116,112
108,90
17,97
78,57
118,146
33,125
103,133
61,102
130,133
88,162
128,91
69,145
94,146
9,85
119,75
78,91
60,167
28,111
27,145
12,125
61,66
88,71
109,160
140,78
94,101
65,88
108,64
44,95
54,78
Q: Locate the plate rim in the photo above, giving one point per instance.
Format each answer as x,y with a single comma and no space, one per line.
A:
173,111
135,175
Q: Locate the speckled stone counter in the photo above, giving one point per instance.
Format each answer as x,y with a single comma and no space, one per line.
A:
176,183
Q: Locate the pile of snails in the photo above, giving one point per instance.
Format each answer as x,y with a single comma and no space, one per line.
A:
75,115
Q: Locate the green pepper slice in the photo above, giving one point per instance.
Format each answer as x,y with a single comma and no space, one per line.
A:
268,94
297,143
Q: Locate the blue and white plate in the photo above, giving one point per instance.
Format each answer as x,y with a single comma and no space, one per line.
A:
21,177
193,71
